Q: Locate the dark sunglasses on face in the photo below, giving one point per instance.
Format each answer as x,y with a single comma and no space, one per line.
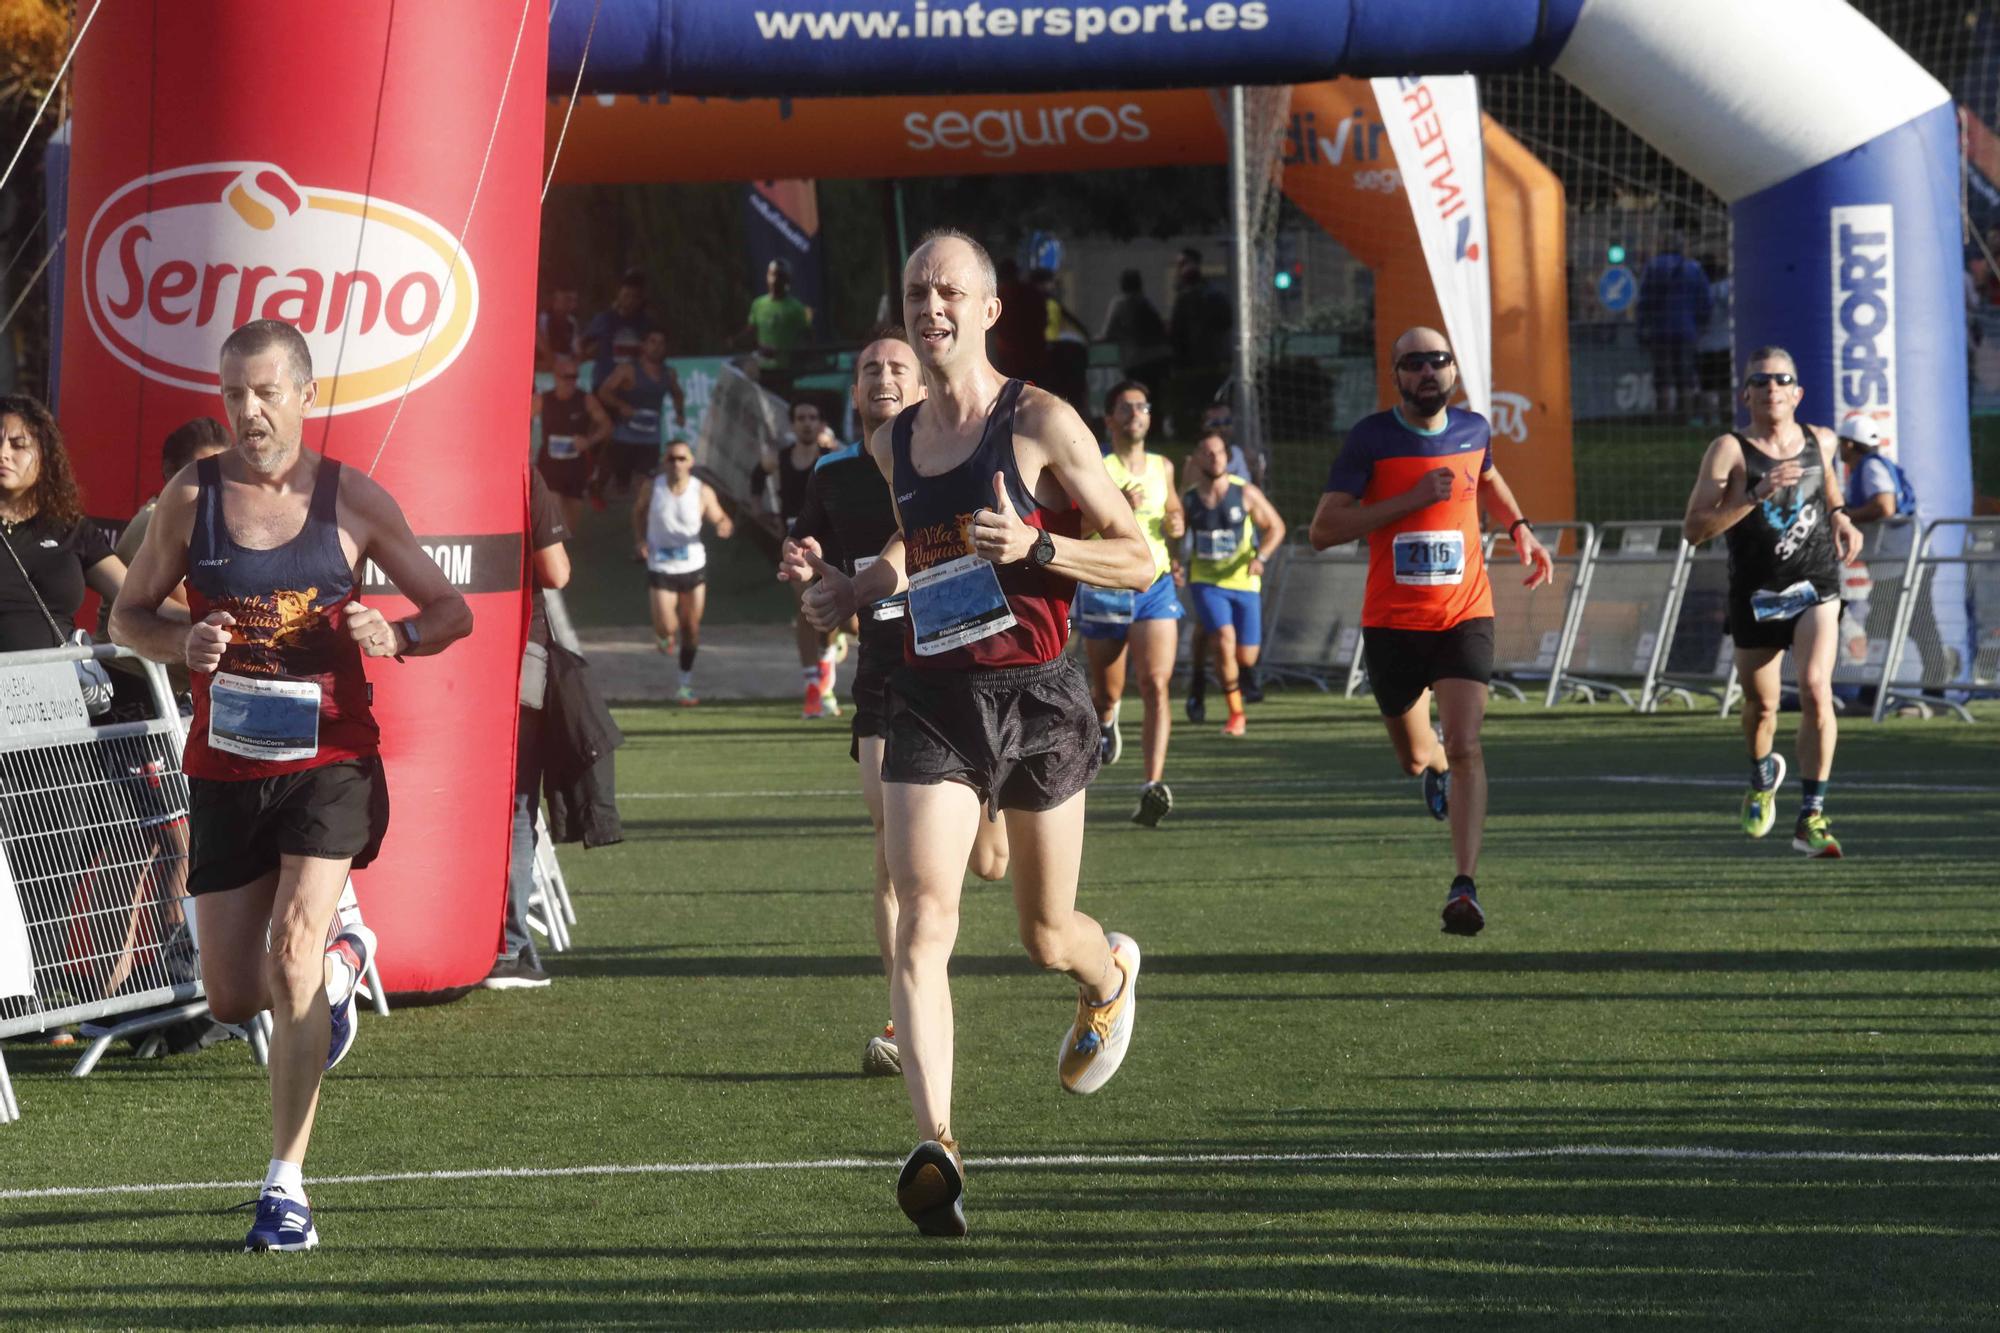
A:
1412,362
1763,377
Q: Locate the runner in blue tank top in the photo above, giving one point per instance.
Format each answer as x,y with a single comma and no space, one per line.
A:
285,789
994,482
635,395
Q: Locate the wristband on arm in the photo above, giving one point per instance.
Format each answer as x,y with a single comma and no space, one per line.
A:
1520,523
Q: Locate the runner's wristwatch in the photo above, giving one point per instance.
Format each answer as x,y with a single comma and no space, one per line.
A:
1043,551
412,639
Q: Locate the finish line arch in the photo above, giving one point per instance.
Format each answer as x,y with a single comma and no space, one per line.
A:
406,148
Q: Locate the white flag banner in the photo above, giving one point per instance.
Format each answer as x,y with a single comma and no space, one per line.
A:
17,964
1433,125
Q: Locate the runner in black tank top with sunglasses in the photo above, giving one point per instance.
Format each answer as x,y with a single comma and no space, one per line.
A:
1769,491
994,482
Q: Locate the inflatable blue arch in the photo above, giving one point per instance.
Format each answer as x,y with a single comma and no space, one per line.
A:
1835,150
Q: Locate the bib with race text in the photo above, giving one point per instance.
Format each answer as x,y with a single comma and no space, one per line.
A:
264,717
956,602
1429,559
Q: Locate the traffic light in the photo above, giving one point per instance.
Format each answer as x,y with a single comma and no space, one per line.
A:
1614,253
1287,276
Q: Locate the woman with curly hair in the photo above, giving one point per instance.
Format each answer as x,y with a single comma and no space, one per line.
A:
56,551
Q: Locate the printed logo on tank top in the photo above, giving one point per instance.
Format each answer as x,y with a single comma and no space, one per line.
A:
287,632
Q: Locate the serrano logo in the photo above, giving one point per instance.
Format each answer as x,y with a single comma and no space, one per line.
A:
1001,134
176,260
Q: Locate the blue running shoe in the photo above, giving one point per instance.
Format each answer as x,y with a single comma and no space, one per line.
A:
283,1224
1437,793
352,946
1462,914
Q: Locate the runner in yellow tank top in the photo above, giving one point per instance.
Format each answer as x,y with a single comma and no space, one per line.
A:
1112,620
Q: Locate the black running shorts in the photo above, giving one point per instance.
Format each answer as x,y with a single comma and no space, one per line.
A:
1024,738
1746,631
881,653
1403,663
687,582
238,830
565,476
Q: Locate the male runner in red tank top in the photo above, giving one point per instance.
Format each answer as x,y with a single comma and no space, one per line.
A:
989,707
285,788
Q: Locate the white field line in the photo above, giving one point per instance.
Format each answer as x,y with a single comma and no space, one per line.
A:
1693,1153
1852,785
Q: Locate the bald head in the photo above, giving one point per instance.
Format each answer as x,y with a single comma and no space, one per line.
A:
951,250
949,300
1420,339
1425,371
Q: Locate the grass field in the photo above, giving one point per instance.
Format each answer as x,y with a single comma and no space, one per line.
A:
1683,1079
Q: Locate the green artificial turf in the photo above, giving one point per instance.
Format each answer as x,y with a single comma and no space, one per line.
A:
1650,979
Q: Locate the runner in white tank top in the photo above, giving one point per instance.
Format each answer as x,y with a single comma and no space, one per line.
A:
667,518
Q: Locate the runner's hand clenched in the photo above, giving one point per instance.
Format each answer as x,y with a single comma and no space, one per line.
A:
998,535
207,640
372,630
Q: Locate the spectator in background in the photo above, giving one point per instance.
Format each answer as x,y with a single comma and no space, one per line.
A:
1877,491
1673,302
1135,326
518,966
1219,418
56,553
779,325
635,394
1714,361
1198,327
614,338
1018,348
556,330
574,429
202,437
1065,346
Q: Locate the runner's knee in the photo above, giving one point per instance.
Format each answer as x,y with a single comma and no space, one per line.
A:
989,863
1461,750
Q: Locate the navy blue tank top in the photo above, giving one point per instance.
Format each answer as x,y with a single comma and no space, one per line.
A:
937,516
287,602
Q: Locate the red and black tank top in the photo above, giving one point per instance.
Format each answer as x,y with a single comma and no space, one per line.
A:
937,519
286,641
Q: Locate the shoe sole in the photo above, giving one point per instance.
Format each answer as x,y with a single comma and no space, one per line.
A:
311,1242
512,983
1441,810
1155,805
1117,750
1463,916
1774,788
1107,1063
931,1191
1823,854
880,1058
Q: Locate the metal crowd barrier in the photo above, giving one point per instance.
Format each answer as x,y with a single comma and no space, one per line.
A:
93,849
1947,672
1633,585
1533,629
1312,619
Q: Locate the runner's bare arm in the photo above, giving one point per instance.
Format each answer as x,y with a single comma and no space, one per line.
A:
1498,498
1846,533
1342,518
610,392
383,535
138,620
1050,437
1265,518
1719,501
600,422
712,511
1175,524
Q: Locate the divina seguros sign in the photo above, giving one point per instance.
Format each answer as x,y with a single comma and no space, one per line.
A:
175,260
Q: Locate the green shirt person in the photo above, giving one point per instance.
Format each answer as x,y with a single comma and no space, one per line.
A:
779,322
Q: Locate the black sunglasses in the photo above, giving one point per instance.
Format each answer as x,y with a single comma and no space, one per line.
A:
1412,362
1778,377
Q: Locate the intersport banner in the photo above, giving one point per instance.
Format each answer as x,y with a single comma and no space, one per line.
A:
1433,124
334,199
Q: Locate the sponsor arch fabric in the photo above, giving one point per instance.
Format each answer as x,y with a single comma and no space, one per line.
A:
199,199
615,140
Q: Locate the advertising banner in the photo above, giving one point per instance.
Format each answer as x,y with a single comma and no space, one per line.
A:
1433,124
384,202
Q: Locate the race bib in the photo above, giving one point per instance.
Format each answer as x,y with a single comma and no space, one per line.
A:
889,608
683,559
955,603
1104,606
643,421
263,717
1428,559
560,448
1217,543
1785,604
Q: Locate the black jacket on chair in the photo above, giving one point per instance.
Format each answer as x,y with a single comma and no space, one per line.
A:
578,739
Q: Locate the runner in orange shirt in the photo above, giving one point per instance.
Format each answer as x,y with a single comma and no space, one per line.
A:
1412,480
